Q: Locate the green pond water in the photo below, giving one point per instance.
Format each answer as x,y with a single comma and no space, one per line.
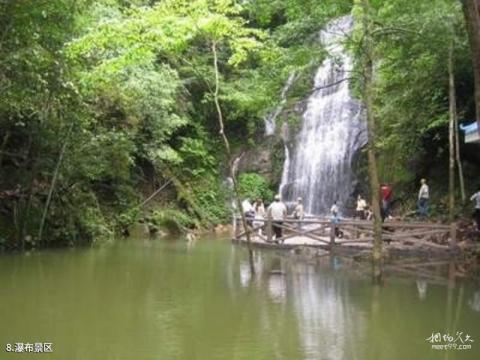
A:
142,299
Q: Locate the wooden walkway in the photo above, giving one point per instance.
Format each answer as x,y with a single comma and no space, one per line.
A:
323,233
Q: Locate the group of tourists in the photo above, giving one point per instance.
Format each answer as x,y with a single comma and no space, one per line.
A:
362,211
386,194
256,214
422,202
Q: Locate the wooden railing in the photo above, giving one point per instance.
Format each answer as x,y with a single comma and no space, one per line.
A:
348,231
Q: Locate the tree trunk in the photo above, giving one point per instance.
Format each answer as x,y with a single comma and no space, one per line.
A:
53,183
451,131
459,161
229,153
372,161
471,11
4,146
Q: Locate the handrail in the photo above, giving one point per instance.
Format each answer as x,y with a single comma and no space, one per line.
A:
328,229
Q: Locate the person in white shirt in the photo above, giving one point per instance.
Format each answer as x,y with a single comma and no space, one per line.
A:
299,212
248,211
334,210
361,206
277,211
259,209
476,197
423,197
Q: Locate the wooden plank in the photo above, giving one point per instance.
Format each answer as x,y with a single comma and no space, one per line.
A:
408,235
249,230
415,225
430,244
432,263
306,233
352,228
269,230
352,241
412,234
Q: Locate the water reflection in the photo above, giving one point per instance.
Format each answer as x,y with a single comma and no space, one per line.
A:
325,313
245,270
321,304
245,274
132,301
474,302
422,289
277,287
336,312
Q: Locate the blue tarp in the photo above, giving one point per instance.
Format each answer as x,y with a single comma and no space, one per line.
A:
470,128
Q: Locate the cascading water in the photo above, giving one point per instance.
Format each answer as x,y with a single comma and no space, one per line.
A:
270,119
318,167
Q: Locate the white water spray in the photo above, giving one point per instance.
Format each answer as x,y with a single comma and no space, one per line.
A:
319,166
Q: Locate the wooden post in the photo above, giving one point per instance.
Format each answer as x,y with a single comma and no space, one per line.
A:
237,228
332,234
453,236
269,229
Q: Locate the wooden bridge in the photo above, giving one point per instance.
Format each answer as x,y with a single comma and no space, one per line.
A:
323,233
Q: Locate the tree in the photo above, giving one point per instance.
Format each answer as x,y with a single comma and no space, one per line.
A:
367,67
471,10
452,100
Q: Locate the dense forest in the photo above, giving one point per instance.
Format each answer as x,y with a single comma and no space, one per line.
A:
106,103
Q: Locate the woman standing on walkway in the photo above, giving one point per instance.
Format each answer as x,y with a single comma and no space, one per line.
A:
299,212
423,196
361,206
259,221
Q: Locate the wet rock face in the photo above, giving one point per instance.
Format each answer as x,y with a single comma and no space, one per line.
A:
318,167
266,159
257,160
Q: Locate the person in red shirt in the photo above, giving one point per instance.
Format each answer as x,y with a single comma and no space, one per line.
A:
387,194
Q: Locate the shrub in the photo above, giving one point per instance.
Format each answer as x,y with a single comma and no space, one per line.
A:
253,186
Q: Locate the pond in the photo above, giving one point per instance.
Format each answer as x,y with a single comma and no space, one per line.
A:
143,299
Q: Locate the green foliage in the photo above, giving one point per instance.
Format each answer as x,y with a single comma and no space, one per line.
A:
172,219
126,87
411,83
254,186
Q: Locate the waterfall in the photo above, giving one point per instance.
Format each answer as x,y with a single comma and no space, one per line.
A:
286,167
333,129
270,119
229,183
